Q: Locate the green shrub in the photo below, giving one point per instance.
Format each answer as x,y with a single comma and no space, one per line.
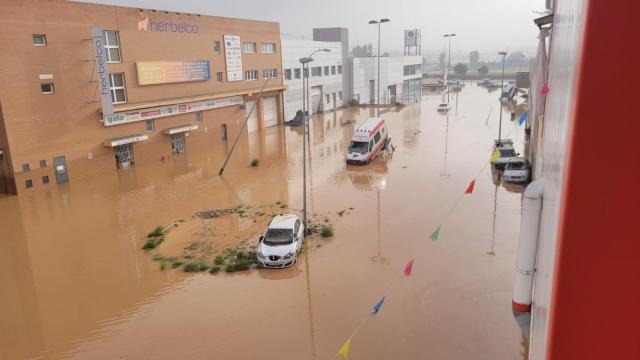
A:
153,242
231,267
214,269
191,267
157,257
219,260
254,162
158,231
176,264
326,231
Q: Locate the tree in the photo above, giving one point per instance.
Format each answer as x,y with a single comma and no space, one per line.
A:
441,60
474,57
483,70
460,69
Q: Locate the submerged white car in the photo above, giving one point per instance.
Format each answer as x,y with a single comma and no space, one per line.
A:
443,108
280,245
517,170
507,152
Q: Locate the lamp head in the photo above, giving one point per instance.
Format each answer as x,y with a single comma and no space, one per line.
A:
384,20
373,21
503,53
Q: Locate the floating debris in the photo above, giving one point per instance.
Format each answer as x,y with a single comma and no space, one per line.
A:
210,214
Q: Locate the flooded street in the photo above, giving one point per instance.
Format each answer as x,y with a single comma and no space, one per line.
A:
76,283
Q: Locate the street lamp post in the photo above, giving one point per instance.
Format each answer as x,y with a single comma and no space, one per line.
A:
305,123
449,64
503,53
379,22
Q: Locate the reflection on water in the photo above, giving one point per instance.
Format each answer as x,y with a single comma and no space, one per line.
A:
76,284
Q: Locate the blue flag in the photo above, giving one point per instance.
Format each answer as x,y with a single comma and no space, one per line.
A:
523,117
377,306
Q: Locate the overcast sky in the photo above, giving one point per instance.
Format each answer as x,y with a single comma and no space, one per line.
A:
485,25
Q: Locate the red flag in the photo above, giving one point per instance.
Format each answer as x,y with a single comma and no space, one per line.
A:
544,89
470,188
408,268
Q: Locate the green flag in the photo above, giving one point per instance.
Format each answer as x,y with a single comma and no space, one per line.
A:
435,234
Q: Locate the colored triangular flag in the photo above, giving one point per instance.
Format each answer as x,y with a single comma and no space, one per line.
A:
435,234
495,156
523,117
470,188
408,268
544,89
344,350
377,306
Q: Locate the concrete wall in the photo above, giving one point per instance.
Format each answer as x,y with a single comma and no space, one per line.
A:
292,51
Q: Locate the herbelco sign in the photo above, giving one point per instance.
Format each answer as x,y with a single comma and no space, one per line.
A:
102,70
146,24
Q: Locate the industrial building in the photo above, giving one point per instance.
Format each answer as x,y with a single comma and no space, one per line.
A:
94,87
400,79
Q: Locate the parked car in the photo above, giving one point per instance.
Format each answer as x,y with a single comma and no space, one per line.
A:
443,107
367,141
281,243
505,147
517,170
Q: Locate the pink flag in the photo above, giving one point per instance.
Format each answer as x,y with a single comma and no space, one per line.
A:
470,188
408,268
544,89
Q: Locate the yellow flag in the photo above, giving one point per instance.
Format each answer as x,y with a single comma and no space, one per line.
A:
495,156
344,350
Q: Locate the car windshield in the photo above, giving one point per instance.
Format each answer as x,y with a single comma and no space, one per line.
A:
517,165
443,105
359,147
507,153
276,237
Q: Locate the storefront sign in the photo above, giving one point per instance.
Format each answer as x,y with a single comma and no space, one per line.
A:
102,70
163,72
233,57
146,24
169,110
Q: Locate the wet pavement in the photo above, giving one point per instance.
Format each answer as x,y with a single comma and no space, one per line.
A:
76,283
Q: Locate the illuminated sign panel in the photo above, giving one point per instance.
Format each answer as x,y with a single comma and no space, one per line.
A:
163,72
101,70
233,57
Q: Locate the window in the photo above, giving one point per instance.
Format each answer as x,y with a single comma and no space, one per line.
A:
45,179
151,125
116,85
249,48
39,40
199,117
269,73
25,167
333,70
43,164
220,77
28,184
46,88
296,228
306,72
296,73
112,45
216,47
376,138
316,71
328,96
251,75
370,145
268,48
287,74
326,71
340,95
339,69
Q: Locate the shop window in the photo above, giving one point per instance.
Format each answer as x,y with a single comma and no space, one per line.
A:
39,40
223,131
216,47
269,73
28,183
251,75
199,117
46,88
116,86
316,71
296,73
287,74
151,125
25,167
178,144
45,179
43,164
112,46
220,78
268,48
326,71
333,70
249,48
124,155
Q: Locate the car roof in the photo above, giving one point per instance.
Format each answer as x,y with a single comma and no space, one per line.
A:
369,125
283,221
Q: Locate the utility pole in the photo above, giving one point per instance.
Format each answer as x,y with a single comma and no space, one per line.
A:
503,53
379,22
449,66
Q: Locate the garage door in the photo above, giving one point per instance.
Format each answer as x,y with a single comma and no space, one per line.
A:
252,124
270,107
316,99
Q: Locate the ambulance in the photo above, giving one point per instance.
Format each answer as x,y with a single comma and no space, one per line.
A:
367,141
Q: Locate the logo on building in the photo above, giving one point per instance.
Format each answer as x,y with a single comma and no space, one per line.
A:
145,23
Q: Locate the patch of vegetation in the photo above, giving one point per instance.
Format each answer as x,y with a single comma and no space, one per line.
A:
154,238
162,265
326,231
176,264
195,267
215,269
283,206
254,162
219,260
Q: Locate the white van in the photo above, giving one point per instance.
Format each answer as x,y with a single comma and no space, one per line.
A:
368,140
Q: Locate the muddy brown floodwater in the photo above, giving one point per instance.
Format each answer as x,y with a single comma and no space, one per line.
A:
76,284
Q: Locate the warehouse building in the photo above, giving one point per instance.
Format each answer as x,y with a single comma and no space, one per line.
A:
92,88
400,79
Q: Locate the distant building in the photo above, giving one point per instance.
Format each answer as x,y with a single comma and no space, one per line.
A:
400,79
